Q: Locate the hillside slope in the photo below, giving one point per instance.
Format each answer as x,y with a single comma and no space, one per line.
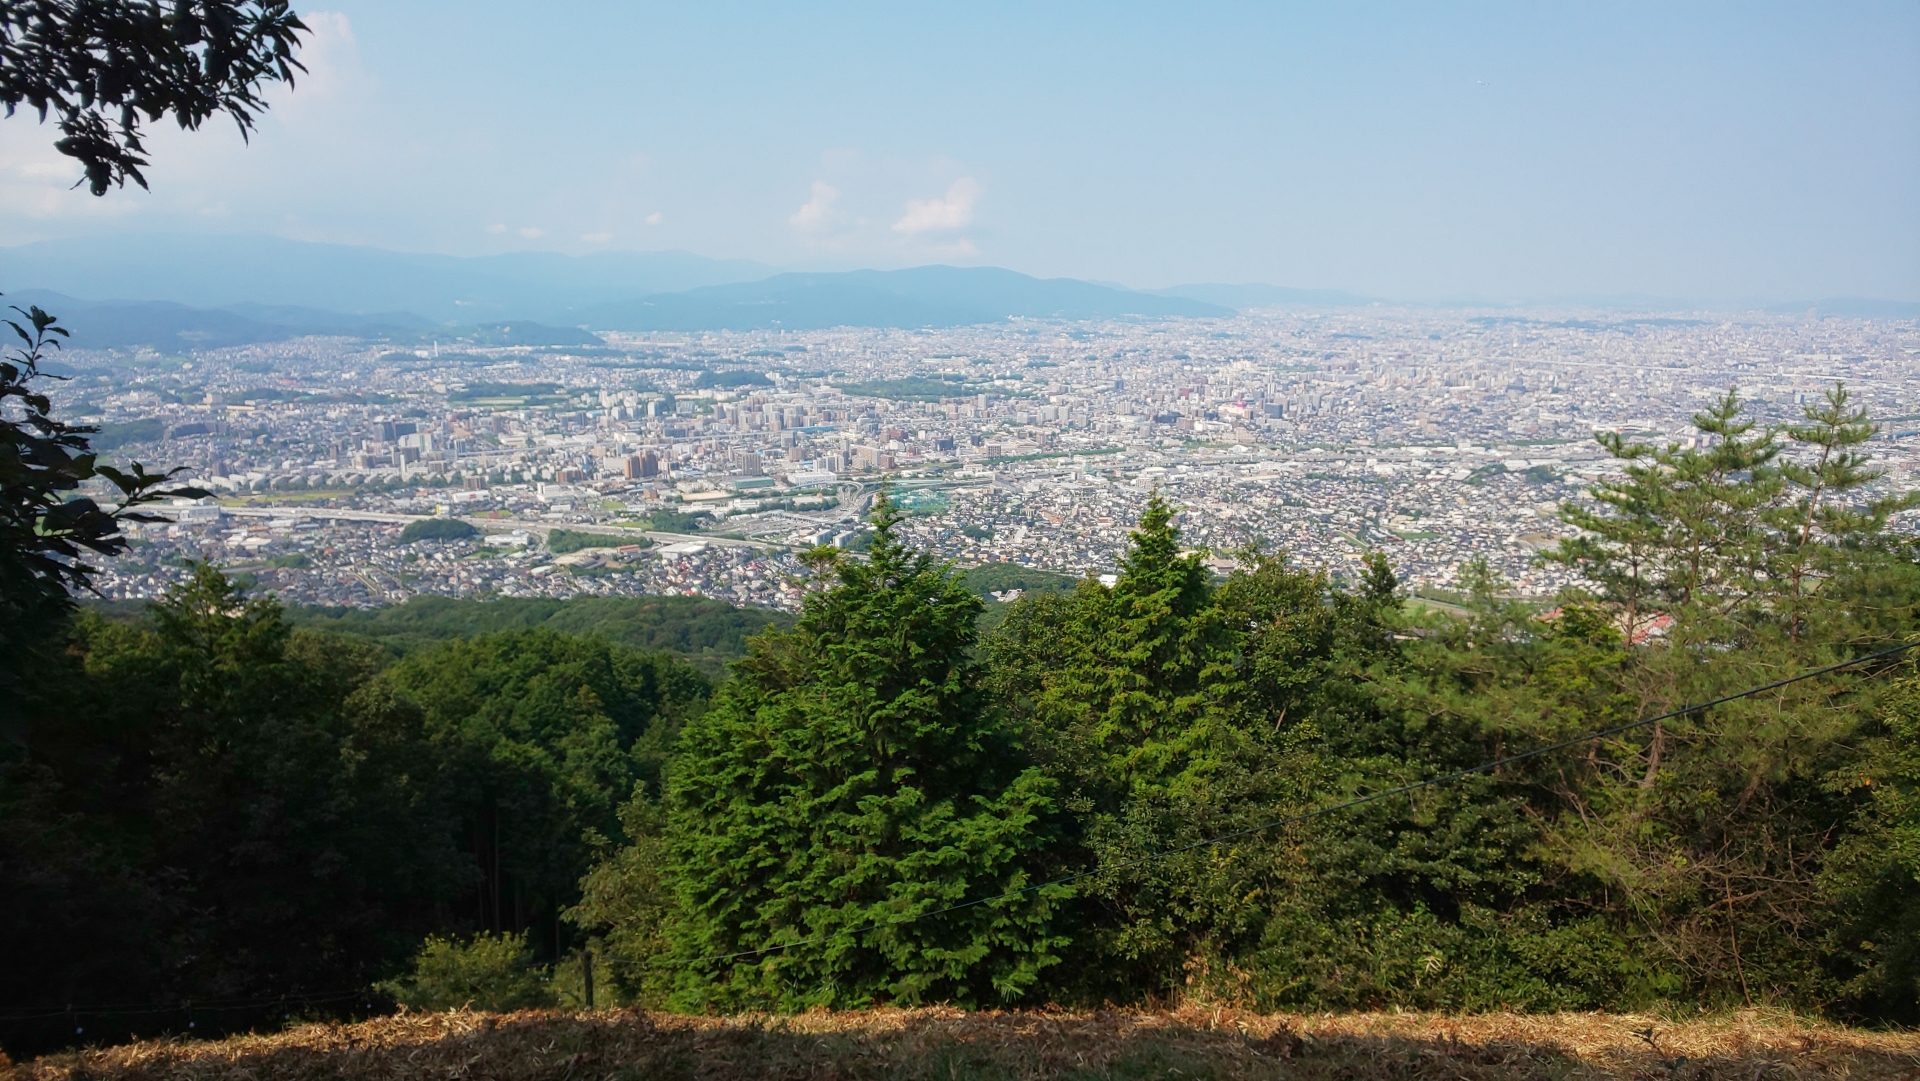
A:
883,1045
707,632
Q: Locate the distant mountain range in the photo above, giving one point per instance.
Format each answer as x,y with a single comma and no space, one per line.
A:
930,296
215,271
1245,297
123,324
211,291
205,291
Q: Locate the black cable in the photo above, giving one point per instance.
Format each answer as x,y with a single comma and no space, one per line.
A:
1444,778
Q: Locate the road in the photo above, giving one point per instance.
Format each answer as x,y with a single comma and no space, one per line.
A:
495,524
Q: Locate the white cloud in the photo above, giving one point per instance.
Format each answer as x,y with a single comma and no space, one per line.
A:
933,215
654,218
596,238
818,213
960,249
331,55
530,232
293,157
496,228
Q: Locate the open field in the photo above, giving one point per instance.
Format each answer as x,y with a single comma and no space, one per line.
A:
949,1044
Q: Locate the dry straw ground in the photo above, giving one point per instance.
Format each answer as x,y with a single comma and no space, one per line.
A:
948,1045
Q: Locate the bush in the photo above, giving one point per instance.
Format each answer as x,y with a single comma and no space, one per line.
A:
487,972
673,521
562,541
738,378
437,529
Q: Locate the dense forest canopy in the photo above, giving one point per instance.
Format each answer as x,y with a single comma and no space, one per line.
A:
880,804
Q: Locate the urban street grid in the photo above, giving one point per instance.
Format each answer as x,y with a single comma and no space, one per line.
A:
705,462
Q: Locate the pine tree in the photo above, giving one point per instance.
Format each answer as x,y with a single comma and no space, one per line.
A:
851,777
1150,665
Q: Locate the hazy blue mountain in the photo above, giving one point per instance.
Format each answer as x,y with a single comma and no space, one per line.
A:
1255,295
1854,307
170,327
180,290
937,296
220,270
518,332
321,321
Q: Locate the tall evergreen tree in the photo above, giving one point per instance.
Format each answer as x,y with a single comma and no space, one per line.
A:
851,778
543,735
1149,667
214,808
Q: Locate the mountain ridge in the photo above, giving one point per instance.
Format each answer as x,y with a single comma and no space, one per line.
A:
914,297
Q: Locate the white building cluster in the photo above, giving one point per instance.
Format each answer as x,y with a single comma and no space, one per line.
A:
1436,436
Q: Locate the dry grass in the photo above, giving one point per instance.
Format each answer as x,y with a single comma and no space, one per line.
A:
949,1044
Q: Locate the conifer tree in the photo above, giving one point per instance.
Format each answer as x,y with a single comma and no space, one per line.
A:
1149,667
851,777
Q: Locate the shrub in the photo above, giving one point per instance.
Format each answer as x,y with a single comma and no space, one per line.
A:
486,972
437,529
562,541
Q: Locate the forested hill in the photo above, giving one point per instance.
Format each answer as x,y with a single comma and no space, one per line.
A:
1274,789
706,632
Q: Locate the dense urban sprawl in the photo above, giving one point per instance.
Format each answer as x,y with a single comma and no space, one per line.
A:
702,463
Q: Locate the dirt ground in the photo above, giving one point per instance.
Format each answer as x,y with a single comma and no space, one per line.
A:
950,1045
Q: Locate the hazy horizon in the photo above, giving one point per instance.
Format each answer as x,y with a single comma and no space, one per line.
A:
1501,154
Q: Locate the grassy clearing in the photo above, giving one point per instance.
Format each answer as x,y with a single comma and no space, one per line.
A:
949,1044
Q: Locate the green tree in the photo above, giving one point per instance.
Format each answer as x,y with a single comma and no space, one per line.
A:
851,778
1872,881
442,529
46,530
545,736
486,972
1714,569
626,905
100,67
1149,668
215,807
105,67
1172,711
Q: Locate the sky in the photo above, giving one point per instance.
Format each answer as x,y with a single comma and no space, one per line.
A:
1419,151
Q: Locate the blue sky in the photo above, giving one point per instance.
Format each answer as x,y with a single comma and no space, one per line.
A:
1418,151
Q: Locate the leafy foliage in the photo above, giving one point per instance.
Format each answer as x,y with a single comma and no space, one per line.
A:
209,804
1000,577
437,529
212,806
852,776
883,806
708,633
115,436
561,541
87,61
739,377
104,68
673,521
47,532
486,972
543,735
